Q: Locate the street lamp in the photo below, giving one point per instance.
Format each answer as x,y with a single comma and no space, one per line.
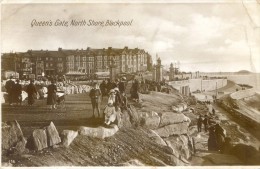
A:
15,57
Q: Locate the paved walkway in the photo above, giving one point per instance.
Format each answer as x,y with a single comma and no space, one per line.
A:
77,111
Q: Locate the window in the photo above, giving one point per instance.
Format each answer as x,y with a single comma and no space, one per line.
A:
84,58
99,58
50,58
51,64
91,65
47,65
78,58
99,64
47,58
84,64
105,63
60,65
91,59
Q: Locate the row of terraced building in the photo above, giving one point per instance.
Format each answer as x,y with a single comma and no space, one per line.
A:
76,62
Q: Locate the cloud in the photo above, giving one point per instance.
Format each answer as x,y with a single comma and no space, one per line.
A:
203,29
198,35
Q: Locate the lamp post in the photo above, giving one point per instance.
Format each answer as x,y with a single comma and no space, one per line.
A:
15,56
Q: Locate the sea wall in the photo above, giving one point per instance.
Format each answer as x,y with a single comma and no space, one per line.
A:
242,94
207,85
199,84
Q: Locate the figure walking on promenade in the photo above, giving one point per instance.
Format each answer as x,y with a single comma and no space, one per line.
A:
103,87
206,123
9,85
51,97
134,91
32,92
199,123
212,142
94,95
17,95
220,136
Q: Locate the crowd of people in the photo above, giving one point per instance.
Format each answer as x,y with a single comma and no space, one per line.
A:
117,100
217,135
115,91
14,91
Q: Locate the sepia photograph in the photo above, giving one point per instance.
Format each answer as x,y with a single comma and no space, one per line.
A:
121,83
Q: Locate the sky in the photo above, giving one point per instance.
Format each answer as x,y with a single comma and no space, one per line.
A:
208,37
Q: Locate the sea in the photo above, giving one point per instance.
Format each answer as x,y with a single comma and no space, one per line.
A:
252,79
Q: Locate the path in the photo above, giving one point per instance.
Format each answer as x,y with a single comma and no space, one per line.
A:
234,130
39,114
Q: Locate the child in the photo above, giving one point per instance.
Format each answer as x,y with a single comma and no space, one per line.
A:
110,113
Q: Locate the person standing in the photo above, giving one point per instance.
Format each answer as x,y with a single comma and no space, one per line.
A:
125,102
118,100
32,92
17,95
94,95
206,123
103,87
212,142
220,136
121,86
9,86
199,123
134,91
51,97
108,85
213,111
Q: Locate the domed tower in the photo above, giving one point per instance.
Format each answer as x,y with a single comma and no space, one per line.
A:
159,70
171,76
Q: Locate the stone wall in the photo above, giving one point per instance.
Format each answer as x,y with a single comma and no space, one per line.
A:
207,85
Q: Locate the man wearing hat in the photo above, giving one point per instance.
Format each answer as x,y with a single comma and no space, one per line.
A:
95,95
32,92
9,86
17,92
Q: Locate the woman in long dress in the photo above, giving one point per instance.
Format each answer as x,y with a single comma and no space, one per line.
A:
32,92
52,98
111,113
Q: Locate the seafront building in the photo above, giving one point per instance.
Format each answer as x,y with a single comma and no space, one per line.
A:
76,62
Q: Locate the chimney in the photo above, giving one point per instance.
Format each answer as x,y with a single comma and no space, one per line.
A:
59,49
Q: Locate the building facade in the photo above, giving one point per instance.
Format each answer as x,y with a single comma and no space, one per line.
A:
76,62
